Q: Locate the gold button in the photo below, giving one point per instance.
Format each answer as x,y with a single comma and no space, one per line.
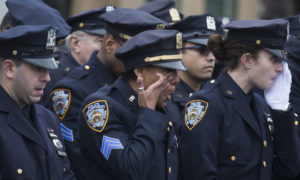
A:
14,52
168,129
296,123
190,95
68,69
20,171
81,24
212,81
86,67
170,170
57,62
258,41
285,52
170,124
295,114
169,150
229,92
264,163
233,158
64,169
265,143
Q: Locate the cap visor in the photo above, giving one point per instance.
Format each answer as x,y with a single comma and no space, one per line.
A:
97,32
197,41
277,52
177,65
48,63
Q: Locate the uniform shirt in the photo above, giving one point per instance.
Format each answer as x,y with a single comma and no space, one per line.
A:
65,65
31,145
222,137
67,97
120,140
176,105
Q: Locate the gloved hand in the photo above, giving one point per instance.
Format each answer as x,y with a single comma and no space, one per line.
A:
277,96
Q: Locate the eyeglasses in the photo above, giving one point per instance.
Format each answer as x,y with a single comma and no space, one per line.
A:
203,50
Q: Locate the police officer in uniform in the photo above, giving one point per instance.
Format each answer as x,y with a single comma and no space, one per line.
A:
196,57
86,37
30,137
102,69
123,132
229,132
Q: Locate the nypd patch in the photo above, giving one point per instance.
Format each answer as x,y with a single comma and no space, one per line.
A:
96,115
61,99
194,112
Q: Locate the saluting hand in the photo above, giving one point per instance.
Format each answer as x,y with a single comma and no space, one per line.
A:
149,97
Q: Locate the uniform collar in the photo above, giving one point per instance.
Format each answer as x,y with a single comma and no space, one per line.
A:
128,94
182,92
72,61
7,102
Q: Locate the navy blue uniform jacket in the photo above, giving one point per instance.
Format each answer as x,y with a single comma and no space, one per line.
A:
224,139
67,97
27,151
120,140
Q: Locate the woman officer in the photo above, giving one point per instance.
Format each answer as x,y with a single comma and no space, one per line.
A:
229,132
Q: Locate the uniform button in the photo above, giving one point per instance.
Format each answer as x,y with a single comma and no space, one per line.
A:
274,156
170,170
20,171
64,169
212,81
169,150
81,24
264,163
233,158
295,114
296,123
86,67
170,124
14,52
57,62
265,143
229,92
258,42
68,69
190,95
168,129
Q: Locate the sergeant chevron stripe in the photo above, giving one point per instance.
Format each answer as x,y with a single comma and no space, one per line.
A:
67,133
109,144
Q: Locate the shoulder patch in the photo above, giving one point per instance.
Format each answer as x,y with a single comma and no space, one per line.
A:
194,112
96,115
109,144
61,99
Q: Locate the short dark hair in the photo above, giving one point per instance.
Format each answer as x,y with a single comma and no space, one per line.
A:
6,22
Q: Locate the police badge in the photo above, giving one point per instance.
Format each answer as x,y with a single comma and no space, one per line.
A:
61,99
96,115
194,112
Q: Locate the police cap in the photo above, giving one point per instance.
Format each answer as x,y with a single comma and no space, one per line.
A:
268,34
153,47
198,28
33,12
32,44
164,10
124,23
89,21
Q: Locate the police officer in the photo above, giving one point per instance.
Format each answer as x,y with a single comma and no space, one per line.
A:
86,37
123,131
229,132
102,69
196,57
30,137
164,10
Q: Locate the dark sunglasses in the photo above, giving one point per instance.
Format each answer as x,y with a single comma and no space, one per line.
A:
203,50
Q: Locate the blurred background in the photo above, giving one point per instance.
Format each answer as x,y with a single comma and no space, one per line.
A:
234,9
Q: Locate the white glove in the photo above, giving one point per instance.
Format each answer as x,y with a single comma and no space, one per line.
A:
277,96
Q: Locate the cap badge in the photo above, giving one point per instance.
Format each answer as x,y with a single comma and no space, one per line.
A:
178,40
109,8
210,22
174,14
51,39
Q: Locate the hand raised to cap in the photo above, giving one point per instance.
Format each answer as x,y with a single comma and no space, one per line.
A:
149,97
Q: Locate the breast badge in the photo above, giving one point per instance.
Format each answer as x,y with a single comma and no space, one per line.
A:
194,112
96,115
61,99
